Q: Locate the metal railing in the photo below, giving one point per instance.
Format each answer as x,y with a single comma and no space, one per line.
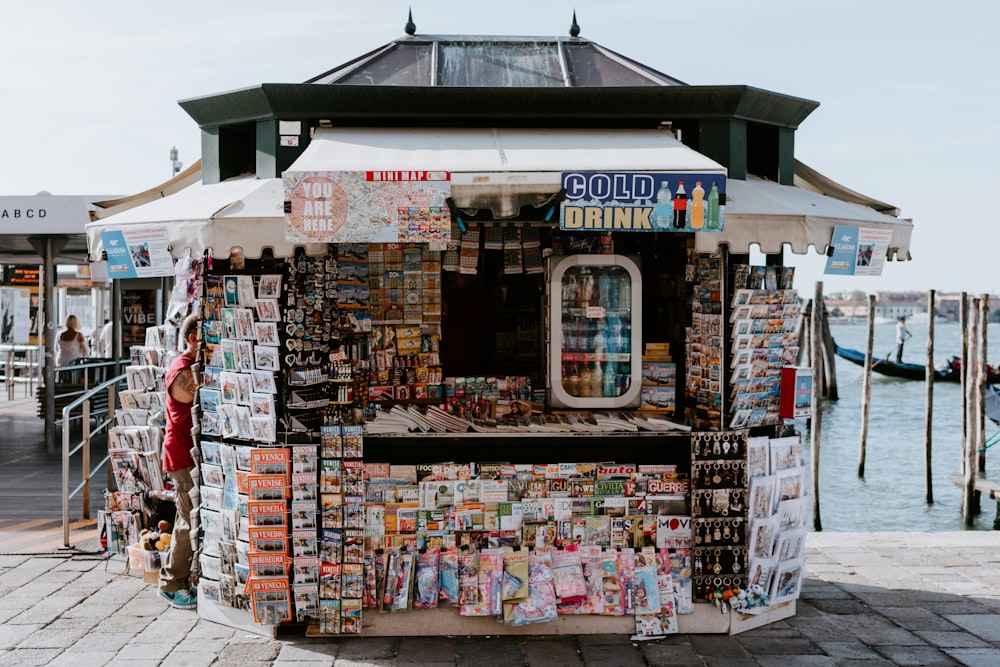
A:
80,376
84,402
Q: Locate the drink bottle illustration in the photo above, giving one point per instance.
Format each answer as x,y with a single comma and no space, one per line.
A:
697,206
713,208
664,207
680,206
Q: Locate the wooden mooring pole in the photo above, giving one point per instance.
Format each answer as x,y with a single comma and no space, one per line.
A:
928,418
963,323
866,385
816,355
973,409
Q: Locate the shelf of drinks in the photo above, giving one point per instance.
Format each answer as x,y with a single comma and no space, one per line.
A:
617,357
593,312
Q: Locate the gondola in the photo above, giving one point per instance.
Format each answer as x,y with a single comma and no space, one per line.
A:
891,368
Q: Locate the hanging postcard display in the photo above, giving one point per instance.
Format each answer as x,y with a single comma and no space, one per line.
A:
367,206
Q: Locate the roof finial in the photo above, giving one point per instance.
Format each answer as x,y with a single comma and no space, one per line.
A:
574,28
411,27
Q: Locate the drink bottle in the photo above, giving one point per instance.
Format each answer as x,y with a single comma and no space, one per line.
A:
585,378
604,291
610,377
663,210
597,380
713,208
697,206
680,206
572,380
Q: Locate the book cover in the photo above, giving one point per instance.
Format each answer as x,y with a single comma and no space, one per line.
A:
270,600
270,539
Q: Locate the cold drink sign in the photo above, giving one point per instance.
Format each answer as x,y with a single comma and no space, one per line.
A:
643,202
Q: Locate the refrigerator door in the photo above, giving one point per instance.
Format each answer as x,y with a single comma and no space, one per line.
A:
595,332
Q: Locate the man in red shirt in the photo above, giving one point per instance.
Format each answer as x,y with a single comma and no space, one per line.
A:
181,383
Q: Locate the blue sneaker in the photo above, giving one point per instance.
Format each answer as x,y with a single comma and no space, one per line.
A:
180,599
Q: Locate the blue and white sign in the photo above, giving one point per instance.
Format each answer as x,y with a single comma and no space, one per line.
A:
137,253
858,251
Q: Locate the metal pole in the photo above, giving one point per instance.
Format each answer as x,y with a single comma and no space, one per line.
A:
48,330
65,476
86,459
816,350
866,385
929,416
116,319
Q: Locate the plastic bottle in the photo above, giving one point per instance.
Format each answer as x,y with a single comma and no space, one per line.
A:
597,380
663,211
680,206
571,381
610,377
570,292
604,291
713,208
625,292
697,206
585,379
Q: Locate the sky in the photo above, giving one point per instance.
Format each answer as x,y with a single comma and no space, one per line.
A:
908,91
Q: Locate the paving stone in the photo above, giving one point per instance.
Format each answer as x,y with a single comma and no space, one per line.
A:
551,652
986,626
481,652
188,659
848,606
976,657
796,661
850,650
758,646
364,662
28,657
425,649
144,651
956,639
916,618
13,635
924,656
103,641
296,652
251,652
717,645
620,656
372,648
679,655
77,658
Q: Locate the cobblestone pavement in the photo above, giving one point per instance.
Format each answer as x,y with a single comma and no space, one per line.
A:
875,598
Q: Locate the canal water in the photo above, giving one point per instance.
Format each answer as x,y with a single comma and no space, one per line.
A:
891,496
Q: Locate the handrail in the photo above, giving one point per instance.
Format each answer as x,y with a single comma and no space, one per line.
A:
84,400
116,364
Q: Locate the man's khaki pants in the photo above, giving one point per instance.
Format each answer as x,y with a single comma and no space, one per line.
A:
176,569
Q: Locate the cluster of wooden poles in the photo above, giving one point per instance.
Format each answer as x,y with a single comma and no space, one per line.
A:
819,351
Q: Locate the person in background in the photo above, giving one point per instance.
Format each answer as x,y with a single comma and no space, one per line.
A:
181,382
105,342
71,345
902,333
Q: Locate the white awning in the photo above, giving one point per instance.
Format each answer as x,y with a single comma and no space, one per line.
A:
771,215
499,168
242,212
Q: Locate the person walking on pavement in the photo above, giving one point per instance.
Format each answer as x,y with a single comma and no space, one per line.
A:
181,382
902,333
72,344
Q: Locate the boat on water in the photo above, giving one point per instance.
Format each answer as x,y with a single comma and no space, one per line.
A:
949,373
